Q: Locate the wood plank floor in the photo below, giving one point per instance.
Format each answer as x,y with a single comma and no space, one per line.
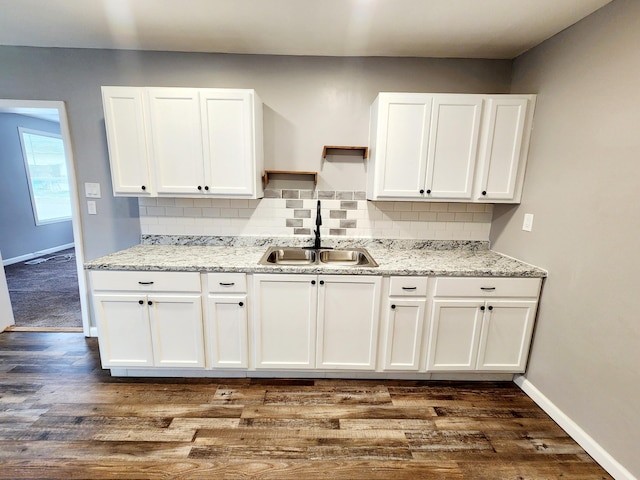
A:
63,417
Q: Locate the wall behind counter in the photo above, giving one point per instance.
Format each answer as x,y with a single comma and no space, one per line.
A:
309,102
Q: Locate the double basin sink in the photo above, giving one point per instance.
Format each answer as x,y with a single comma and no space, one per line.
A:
300,256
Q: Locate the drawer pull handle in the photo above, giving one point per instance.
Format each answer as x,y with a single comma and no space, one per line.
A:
487,289
145,283
409,288
227,284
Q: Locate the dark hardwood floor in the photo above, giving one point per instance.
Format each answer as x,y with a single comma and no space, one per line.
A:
63,417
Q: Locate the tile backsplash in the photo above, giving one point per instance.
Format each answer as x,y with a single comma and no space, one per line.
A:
285,213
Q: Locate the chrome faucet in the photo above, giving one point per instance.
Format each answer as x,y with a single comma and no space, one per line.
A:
316,243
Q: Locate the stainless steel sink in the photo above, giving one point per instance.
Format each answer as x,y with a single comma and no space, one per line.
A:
298,256
357,257
288,256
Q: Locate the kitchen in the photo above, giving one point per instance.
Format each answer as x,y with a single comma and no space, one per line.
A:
585,349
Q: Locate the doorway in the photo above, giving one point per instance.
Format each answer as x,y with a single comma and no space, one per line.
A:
72,254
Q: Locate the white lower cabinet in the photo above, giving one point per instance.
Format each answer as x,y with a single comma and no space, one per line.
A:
348,317
124,335
284,310
476,326
403,323
313,322
149,319
226,321
316,321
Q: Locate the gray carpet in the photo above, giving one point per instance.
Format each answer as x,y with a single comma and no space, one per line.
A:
45,294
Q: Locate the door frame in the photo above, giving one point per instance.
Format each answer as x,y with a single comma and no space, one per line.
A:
76,220
6,312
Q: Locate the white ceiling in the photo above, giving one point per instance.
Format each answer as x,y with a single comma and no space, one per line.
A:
403,28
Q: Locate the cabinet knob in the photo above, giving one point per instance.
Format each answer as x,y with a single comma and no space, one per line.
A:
143,187
490,308
199,187
482,308
206,187
149,302
321,282
393,307
313,282
141,302
241,304
428,191
422,190
484,192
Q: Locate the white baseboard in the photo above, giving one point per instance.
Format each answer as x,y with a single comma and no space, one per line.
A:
593,448
29,256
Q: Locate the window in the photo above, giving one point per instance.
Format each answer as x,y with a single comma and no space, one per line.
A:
46,167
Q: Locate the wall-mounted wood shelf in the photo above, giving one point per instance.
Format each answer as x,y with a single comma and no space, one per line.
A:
265,175
364,150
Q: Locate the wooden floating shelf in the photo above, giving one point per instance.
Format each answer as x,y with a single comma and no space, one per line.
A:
265,175
364,150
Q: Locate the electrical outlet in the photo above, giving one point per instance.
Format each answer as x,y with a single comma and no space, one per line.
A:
92,190
91,207
527,224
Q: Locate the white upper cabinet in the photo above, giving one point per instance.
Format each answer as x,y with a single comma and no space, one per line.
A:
176,140
448,147
502,157
231,141
197,141
124,122
453,143
399,140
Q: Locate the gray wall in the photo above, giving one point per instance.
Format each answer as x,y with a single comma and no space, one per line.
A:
309,102
19,234
582,186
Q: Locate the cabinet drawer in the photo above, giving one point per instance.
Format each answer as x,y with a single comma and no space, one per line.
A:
487,287
146,281
227,282
408,286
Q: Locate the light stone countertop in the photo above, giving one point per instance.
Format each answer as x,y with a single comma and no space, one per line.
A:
464,262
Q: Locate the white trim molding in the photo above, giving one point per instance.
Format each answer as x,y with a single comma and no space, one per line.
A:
593,448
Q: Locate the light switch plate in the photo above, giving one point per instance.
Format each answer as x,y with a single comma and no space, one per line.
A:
92,190
527,224
91,207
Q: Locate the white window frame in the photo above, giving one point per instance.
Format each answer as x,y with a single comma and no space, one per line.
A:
21,132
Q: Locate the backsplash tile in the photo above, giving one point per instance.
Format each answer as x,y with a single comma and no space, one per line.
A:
286,213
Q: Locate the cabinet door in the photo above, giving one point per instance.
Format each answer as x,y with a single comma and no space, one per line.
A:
454,335
503,132
176,330
226,328
402,136
506,335
453,145
123,330
228,138
124,122
284,321
176,140
404,322
348,318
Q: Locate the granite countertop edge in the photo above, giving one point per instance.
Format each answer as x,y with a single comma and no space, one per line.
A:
458,261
